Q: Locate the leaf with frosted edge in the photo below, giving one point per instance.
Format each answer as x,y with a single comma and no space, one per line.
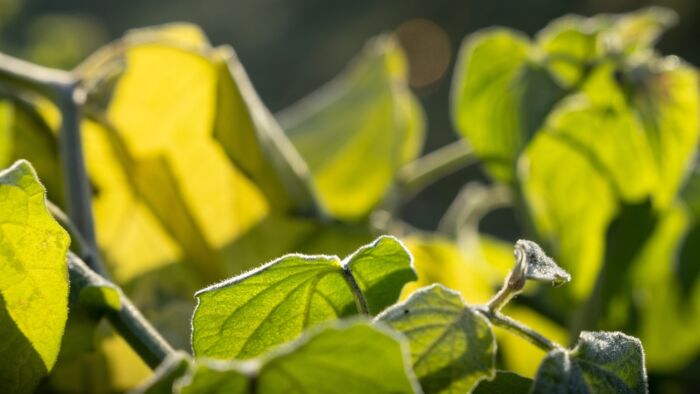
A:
452,346
33,280
345,358
539,266
246,315
601,362
357,131
500,97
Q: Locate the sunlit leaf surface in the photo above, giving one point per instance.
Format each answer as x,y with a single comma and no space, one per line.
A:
350,358
452,346
247,315
33,280
358,130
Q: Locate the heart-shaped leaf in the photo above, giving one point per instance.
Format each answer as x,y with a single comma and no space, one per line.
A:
452,345
246,315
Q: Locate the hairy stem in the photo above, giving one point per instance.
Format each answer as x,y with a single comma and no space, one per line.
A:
518,328
419,174
512,286
127,321
360,300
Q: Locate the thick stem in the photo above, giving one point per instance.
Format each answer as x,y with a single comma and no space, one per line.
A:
33,77
419,174
518,328
127,321
360,300
76,183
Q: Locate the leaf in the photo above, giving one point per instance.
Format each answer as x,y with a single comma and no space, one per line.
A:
171,369
246,315
255,142
601,362
667,100
539,266
504,382
570,45
348,358
358,130
452,345
500,97
33,280
559,203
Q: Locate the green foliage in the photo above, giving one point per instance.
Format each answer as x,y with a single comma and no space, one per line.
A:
587,133
245,316
351,358
601,362
368,110
452,346
34,284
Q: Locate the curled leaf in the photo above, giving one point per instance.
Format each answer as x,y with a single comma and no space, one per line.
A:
536,265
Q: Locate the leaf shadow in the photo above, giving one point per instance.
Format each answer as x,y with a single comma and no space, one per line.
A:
21,367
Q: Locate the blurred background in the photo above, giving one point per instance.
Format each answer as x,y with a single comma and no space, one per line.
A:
290,48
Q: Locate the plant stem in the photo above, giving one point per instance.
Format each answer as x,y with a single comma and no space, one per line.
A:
512,286
30,76
419,174
518,328
77,186
65,91
360,300
127,321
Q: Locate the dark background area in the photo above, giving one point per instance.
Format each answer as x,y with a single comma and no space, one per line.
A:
290,48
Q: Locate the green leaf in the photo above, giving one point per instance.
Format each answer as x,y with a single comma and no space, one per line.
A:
33,280
666,97
358,130
255,142
452,345
570,46
500,97
171,369
246,315
601,362
504,382
558,198
348,358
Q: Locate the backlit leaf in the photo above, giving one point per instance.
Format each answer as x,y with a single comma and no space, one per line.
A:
601,362
358,130
500,97
33,280
349,358
452,346
246,315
